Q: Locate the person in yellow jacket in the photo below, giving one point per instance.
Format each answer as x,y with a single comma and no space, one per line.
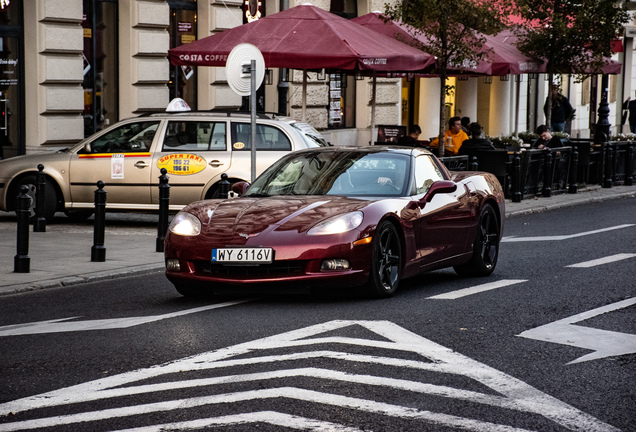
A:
456,134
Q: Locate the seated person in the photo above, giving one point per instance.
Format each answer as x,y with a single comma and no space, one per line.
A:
455,133
411,140
477,142
546,140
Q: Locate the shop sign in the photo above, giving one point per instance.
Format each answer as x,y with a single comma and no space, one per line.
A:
184,27
182,163
4,4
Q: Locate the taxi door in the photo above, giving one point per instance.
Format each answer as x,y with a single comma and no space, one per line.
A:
120,158
193,152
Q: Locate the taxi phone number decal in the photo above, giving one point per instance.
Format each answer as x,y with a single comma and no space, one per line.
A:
182,163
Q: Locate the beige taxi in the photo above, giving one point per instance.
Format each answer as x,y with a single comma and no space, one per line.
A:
194,147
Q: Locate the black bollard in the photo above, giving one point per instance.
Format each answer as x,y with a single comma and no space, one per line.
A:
224,187
516,178
629,167
547,174
98,251
164,205
574,171
608,179
39,225
474,165
21,261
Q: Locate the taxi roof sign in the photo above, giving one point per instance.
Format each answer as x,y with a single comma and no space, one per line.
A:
178,105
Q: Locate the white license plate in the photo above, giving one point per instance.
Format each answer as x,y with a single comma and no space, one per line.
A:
243,255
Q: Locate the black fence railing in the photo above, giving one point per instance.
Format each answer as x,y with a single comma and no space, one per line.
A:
543,172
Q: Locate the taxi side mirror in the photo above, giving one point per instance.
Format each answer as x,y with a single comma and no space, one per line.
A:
240,188
87,148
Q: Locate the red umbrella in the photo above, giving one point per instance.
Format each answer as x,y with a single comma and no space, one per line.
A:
503,59
306,37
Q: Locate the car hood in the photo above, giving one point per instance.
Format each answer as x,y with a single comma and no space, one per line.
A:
251,216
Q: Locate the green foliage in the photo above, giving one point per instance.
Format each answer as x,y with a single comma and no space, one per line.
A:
572,35
528,137
502,141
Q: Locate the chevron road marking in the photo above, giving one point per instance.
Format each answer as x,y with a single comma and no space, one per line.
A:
604,343
506,392
64,325
562,237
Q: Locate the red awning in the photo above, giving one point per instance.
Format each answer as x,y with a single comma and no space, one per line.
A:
307,37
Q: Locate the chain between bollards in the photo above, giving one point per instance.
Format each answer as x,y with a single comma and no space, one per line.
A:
164,205
40,221
21,261
98,251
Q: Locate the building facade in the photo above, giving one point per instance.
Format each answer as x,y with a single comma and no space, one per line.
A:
70,68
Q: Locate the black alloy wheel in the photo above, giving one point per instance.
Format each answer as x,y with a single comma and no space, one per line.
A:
486,246
386,262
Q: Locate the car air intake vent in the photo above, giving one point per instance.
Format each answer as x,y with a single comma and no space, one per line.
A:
276,269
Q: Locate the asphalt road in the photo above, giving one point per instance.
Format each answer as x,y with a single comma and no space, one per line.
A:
547,343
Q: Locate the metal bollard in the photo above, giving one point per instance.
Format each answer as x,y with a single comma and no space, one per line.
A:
98,251
608,179
629,167
224,187
516,178
574,171
474,165
164,205
21,261
547,174
39,225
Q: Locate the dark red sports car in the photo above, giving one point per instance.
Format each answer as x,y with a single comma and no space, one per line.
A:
340,216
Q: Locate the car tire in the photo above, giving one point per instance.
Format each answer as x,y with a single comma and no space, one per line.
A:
78,215
386,262
50,196
486,246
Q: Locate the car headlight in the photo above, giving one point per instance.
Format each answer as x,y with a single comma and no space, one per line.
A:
337,224
185,224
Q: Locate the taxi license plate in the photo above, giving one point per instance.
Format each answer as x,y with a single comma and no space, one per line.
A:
243,255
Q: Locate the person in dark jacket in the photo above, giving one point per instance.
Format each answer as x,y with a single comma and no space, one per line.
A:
561,110
546,140
411,140
476,142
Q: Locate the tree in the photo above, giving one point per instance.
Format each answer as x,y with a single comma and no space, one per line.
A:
452,31
573,36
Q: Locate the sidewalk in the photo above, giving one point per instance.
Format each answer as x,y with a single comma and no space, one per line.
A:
61,256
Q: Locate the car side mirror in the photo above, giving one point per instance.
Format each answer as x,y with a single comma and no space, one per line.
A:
240,188
440,186
87,148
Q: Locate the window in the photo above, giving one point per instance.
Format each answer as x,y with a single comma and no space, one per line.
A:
128,138
183,30
194,136
341,101
267,138
426,173
101,65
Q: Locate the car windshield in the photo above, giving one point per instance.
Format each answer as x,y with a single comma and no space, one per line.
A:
349,173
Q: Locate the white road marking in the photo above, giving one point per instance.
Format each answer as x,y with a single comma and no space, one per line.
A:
562,237
601,261
476,289
64,325
505,392
604,343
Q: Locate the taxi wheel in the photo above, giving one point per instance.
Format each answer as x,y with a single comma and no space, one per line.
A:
50,196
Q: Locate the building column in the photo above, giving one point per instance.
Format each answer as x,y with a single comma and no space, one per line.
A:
428,118
500,108
54,99
466,98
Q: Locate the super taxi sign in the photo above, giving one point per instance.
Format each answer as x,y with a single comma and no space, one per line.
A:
182,163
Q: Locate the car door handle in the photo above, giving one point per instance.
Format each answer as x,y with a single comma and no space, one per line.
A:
141,164
215,163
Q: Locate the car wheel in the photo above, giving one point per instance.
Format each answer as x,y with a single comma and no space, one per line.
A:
50,196
486,246
78,215
386,262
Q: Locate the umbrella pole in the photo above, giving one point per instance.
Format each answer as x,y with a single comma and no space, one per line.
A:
253,117
373,106
304,94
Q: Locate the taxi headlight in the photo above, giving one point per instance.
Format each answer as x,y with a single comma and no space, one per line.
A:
337,224
185,224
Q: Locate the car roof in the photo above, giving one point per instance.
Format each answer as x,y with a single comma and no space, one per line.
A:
369,149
